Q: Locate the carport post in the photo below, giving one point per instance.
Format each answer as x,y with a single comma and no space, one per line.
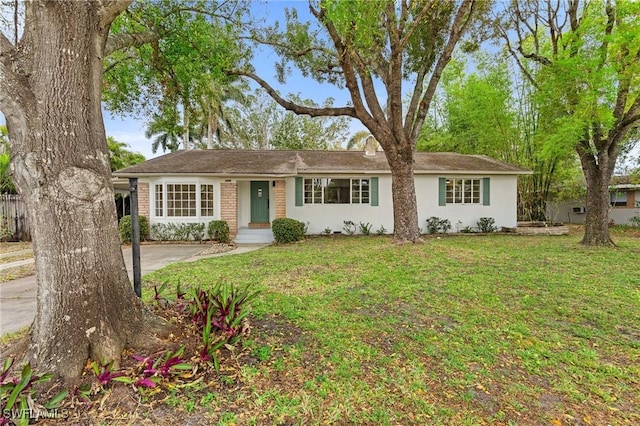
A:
135,236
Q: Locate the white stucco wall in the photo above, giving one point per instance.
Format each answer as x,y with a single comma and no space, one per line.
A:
321,216
502,208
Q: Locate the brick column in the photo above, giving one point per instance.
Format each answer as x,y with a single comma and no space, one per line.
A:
144,209
229,206
280,193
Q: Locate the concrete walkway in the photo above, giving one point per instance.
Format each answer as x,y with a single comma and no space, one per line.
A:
18,297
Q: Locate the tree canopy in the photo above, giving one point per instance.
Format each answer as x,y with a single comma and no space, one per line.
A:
583,58
166,63
493,111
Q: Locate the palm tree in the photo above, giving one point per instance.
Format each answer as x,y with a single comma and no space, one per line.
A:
214,105
165,130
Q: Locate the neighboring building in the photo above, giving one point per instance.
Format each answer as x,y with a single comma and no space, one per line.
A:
625,203
249,189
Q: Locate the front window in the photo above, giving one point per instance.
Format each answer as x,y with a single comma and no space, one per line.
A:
159,197
336,191
463,191
181,200
313,191
206,200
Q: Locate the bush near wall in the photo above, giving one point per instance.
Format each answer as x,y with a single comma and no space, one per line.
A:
286,230
219,231
124,228
178,231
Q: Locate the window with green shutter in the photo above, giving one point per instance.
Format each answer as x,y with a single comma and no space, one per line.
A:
298,191
486,191
374,191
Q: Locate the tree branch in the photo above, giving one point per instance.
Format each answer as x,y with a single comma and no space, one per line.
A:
416,22
122,41
350,77
290,106
415,100
460,22
6,47
108,10
130,56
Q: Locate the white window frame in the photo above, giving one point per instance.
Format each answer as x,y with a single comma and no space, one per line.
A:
318,185
164,201
459,188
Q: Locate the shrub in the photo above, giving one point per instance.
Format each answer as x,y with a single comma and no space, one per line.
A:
487,224
365,228
436,225
161,232
219,231
349,227
634,221
381,231
125,228
178,231
326,231
445,225
195,231
286,230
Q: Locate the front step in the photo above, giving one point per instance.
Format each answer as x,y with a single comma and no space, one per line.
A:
254,236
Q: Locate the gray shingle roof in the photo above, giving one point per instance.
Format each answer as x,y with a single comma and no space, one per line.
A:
291,163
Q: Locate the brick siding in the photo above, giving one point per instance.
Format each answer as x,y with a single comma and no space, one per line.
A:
229,206
143,200
631,198
280,193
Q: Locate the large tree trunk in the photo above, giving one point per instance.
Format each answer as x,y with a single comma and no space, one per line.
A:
597,171
405,211
86,306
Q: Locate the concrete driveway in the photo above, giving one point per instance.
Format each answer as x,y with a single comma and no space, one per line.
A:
18,297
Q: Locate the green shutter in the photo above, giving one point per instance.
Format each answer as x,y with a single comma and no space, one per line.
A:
374,191
298,191
486,191
442,191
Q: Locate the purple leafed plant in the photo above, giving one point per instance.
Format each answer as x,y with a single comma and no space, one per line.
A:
163,364
105,374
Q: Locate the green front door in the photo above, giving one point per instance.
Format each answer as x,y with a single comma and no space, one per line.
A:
259,202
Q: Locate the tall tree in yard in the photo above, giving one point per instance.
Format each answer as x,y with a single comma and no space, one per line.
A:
50,92
374,49
584,60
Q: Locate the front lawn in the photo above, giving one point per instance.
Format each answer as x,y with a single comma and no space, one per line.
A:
459,330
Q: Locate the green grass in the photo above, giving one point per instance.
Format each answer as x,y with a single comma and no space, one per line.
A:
461,330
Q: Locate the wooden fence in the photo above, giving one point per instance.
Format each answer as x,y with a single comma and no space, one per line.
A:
14,224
